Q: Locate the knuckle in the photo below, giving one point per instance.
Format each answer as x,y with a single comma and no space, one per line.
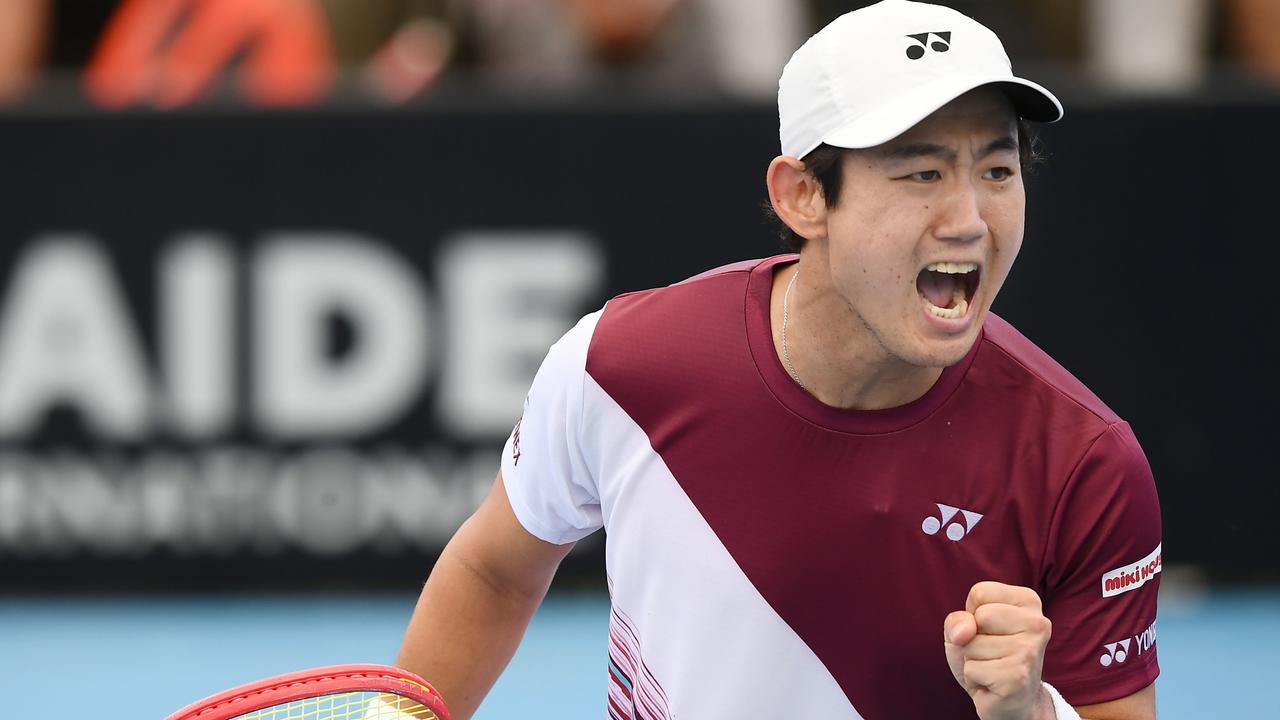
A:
982,615
1037,624
982,590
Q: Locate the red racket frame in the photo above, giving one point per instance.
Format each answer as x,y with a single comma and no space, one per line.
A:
314,683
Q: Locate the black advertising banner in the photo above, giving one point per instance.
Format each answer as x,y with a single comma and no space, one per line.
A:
243,350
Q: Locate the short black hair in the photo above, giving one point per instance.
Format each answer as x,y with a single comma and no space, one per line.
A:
824,164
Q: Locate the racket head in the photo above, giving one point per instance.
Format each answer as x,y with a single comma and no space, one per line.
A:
333,692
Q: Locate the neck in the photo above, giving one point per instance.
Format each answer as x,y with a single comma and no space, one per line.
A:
834,356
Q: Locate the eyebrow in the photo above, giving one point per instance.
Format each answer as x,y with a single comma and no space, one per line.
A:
1008,143
915,150
910,151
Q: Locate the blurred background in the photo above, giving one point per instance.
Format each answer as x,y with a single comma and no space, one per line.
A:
275,276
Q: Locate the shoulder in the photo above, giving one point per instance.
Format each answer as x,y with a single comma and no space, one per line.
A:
1013,358
646,318
558,381
725,282
1101,475
674,339
740,269
706,302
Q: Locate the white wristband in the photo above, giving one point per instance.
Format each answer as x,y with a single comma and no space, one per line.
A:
1061,707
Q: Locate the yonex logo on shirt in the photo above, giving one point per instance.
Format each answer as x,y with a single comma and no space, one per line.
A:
1119,651
956,530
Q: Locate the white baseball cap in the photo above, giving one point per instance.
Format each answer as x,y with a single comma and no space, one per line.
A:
873,73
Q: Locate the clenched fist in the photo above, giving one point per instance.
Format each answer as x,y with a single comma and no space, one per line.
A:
995,647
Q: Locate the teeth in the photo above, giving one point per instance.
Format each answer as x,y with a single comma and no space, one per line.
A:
959,306
952,268
950,313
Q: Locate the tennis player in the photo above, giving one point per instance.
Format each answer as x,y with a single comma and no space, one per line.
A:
834,484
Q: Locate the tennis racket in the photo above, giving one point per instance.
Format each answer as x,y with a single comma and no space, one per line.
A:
336,692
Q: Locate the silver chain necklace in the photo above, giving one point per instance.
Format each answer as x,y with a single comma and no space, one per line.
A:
786,356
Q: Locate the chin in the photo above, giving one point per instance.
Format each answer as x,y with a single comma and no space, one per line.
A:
934,353
938,361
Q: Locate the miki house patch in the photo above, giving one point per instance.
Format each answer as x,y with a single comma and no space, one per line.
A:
1132,576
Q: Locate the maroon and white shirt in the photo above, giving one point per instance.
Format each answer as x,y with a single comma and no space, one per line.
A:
769,555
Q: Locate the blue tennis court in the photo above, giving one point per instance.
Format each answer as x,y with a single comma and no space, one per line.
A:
134,658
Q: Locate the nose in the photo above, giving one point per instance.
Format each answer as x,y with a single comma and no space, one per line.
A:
960,219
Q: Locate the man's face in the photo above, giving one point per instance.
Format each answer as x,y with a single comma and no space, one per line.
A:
927,227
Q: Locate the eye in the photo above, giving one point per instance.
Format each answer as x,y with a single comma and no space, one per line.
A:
998,173
925,176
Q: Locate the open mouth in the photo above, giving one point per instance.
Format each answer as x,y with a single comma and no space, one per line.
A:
947,288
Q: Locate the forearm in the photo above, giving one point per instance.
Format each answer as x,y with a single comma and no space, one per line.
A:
477,603
464,631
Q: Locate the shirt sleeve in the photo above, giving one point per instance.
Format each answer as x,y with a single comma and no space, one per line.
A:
1103,574
548,482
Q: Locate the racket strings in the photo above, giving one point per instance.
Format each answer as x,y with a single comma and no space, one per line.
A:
363,705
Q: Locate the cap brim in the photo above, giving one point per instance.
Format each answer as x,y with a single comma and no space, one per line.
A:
1030,101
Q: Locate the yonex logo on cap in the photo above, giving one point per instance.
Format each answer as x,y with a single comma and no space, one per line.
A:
917,51
839,90
955,530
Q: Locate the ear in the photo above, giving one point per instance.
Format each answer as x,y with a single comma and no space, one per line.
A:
797,197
